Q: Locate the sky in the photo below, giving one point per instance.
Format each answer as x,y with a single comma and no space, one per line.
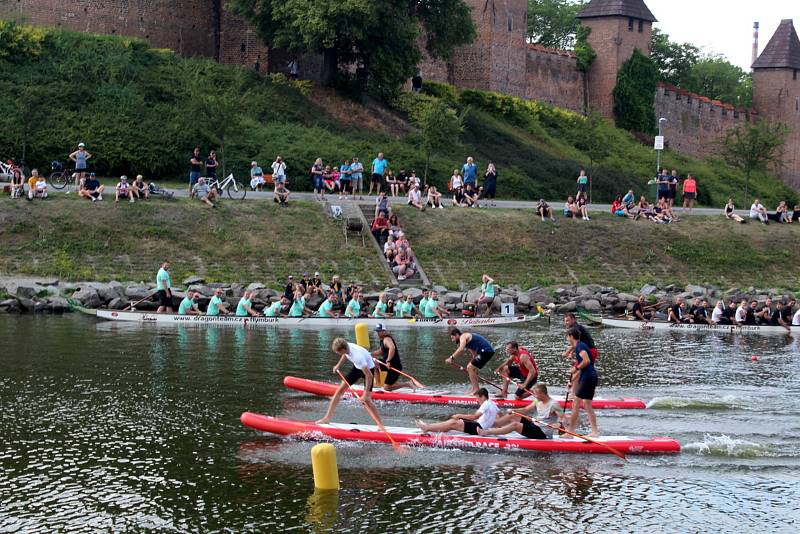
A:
723,26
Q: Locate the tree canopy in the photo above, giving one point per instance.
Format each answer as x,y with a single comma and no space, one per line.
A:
553,23
753,147
633,95
372,42
674,61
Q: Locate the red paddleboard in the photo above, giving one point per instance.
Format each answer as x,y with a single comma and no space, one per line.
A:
414,437
327,389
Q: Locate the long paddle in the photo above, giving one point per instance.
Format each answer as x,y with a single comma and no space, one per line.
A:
454,364
139,301
364,405
416,382
581,436
561,428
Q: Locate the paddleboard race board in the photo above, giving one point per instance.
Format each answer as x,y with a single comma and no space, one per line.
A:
425,396
414,437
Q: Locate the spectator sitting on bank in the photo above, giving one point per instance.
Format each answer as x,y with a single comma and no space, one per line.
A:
139,188
256,177
782,214
390,249
17,183
629,200
403,266
415,198
92,189
401,241
759,212
731,214
456,181
583,210
204,193
39,189
570,208
382,204
394,226
544,210
123,189
328,179
459,198
470,195
281,194
380,228
434,198
796,214
391,183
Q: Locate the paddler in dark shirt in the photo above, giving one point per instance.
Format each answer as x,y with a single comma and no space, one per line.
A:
571,322
750,319
639,312
389,354
698,311
481,350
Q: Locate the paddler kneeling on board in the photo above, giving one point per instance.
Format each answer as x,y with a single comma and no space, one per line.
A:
363,367
389,355
468,423
546,409
521,366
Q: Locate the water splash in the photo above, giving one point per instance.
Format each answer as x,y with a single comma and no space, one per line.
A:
723,445
727,402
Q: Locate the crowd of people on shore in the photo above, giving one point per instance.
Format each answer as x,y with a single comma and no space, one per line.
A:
738,312
758,212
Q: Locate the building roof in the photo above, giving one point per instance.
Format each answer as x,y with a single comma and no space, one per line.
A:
617,8
782,51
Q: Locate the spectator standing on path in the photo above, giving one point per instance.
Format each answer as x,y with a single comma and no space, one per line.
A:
195,170
317,170
470,172
211,165
357,178
81,159
164,287
689,192
344,178
583,185
663,185
379,165
672,182
279,171
490,183
256,177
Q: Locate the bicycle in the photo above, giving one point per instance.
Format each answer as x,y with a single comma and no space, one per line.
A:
61,176
230,185
8,168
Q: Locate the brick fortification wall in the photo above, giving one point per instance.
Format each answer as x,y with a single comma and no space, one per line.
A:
776,95
552,77
695,123
239,44
187,26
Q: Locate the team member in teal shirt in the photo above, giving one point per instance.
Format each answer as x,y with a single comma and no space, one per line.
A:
274,309
326,308
217,306
487,294
245,306
423,304
408,307
354,306
189,304
380,307
399,306
432,309
298,305
164,287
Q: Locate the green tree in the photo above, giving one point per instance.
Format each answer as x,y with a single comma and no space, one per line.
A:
585,56
377,37
440,127
718,79
553,23
591,139
674,61
753,147
633,94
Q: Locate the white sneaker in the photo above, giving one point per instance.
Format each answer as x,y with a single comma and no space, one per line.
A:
441,207
99,197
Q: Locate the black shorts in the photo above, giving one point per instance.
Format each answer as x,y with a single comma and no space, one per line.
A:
391,373
164,299
585,389
515,372
663,194
531,431
672,193
471,427
481,358
377,179
582,188
689,196
354,375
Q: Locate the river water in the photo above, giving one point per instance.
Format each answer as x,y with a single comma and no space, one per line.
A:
123,427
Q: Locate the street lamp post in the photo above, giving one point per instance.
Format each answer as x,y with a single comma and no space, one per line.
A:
659,144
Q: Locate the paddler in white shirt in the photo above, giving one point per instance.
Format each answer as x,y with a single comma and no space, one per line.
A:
472,423
363,367
544,409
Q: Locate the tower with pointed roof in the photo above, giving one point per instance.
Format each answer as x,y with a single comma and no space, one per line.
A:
776,92
618,28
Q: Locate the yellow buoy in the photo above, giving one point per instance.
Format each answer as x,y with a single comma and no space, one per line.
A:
323,463
362,335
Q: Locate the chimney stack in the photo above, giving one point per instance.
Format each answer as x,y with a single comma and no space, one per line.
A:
755,42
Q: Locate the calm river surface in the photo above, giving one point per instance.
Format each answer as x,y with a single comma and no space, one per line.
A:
121,427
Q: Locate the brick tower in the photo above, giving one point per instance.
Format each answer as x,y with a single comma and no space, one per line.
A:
618,28
496,60
776,93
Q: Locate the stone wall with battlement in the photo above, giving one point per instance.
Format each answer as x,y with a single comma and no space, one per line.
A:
695,123
552,77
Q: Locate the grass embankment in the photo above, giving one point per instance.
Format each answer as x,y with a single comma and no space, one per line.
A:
142,110
250,241
456,246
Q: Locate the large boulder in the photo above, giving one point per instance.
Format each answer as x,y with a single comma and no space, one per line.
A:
194,279
696,291
415,292
627,297
137,291
590,289
255,286
473,294
505,298
22,289
87,296
609,300
108,292
58,304
204,290
314,301
570,306
235,291
592,305
10,305
440,289
119,303
524,299
648,289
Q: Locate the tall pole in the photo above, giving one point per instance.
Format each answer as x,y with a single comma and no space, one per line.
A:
755,42
661,121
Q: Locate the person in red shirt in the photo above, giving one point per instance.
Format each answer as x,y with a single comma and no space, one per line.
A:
689,192
520,366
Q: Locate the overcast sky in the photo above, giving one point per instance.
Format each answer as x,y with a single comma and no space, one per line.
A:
723,26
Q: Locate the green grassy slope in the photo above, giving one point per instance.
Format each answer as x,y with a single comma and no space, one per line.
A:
142,110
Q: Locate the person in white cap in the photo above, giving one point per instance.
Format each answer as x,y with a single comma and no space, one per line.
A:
81,158
389,354
123,189
256,177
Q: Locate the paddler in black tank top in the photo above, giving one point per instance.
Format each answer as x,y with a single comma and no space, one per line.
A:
480,348
389,354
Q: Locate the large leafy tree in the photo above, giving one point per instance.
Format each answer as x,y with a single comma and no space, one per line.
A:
375,41
674,61
633,95
553,23
717,78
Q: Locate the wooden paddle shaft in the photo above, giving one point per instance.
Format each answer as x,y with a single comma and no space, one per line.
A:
142,300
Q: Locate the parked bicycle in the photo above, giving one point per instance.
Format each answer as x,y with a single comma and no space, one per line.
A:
230,185
9,168
61,176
